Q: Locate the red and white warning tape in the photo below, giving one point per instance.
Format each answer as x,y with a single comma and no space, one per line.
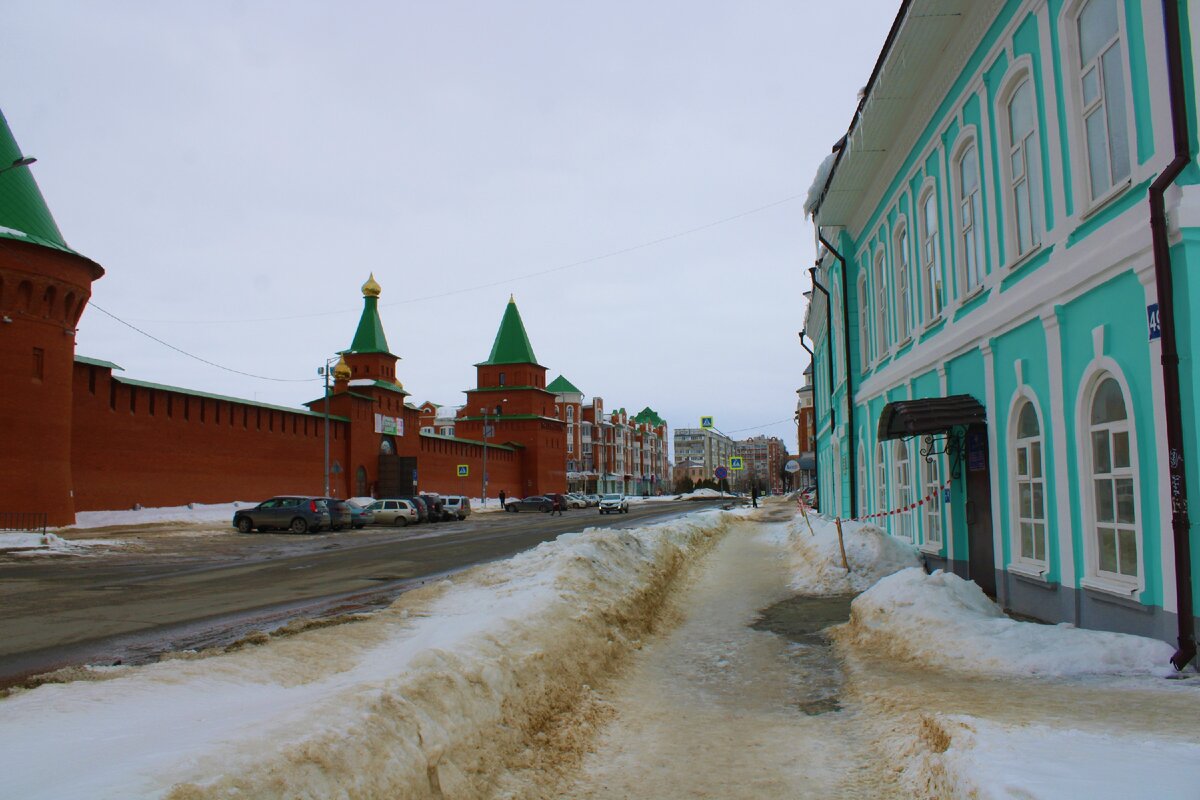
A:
884,514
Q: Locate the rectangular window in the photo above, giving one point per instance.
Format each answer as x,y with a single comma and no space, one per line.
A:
1102,88
39,363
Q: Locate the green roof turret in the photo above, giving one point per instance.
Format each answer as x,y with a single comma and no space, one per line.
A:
512,343
649,415
561,385
369,337
24,215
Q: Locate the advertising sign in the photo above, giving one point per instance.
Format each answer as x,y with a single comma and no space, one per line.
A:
392,426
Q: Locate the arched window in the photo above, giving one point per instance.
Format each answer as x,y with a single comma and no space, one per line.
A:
1102,94
864,324
970,220
1023,169
880,480
881,327
360,482
903,298
1029,481
570,413
839,353
904,492
931,268
1112,488
932,481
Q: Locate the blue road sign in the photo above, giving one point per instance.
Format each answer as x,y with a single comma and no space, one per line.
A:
721,473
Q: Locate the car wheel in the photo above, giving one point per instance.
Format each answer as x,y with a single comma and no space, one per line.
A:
360,527
335,527
244,525
401,521
300,525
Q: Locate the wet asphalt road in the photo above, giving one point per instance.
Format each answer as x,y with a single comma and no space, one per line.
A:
189,587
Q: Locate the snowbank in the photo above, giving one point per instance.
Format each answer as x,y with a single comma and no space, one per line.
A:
37,543
945,621
982,759
192,513
431,697
817,560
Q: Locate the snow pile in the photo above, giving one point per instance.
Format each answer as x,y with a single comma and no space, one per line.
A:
818,184
701,494
945,621
26,543
981,759
817,559
191,513
439,695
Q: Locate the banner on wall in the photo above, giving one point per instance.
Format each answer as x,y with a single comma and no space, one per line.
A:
393,426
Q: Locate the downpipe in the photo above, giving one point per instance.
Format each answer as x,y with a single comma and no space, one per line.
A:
849,381
1180,522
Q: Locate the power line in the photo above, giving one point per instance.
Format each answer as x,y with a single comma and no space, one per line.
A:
764,425
92,304
503,281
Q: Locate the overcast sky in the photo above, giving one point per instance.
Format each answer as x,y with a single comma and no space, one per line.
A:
239,168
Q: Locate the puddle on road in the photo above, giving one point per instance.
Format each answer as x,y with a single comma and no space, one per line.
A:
802,620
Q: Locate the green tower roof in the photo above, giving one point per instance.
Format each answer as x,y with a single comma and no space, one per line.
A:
648,414
561,385
24,215
512,343
369,337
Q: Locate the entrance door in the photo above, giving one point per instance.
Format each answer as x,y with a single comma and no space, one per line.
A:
981,560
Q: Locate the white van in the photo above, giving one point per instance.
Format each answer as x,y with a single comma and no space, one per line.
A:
457,505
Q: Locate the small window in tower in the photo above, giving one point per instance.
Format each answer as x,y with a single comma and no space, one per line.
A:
39,363
502,379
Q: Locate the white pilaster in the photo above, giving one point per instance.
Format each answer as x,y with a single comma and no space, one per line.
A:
1058,435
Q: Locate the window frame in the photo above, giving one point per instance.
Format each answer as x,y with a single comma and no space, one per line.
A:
883,342
880,480
904,492
930,245
905,319
967,145
1020,75
865,336
931,515
1017,444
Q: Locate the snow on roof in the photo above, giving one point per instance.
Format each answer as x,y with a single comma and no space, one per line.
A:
817,187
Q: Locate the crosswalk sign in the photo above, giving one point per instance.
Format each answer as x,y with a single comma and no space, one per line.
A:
737,462
706,422
463,470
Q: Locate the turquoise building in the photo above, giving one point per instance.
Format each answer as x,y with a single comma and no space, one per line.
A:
1007,235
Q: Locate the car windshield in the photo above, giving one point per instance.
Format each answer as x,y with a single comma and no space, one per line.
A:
612,497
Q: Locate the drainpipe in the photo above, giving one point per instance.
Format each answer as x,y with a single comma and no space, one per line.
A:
1180,524
813,274
813,359
849,381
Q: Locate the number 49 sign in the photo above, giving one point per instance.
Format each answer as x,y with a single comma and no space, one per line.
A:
1154,320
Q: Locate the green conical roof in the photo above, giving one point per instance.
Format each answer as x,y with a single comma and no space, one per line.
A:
24,215
561,385
369,337
648,414
512,343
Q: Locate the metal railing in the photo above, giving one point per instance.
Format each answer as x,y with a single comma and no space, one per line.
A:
23,521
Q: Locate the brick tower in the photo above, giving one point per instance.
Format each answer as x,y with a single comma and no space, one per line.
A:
511,386
44,287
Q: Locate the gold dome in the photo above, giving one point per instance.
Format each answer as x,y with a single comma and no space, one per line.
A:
342,371
371,288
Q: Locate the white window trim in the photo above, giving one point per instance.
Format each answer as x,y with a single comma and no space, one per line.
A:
1017,561
1085,204
879,295
901,466
968,139
929,318
928,546
1093,578
864,325
1019,72
902,263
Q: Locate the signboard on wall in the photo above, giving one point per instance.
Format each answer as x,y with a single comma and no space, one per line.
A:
392,426
464,470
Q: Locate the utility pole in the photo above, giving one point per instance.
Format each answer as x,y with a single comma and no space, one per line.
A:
325,372
483,497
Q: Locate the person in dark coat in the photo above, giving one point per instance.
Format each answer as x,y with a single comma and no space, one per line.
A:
557,507
502,496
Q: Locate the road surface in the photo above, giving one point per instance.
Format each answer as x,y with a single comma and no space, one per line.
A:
178,587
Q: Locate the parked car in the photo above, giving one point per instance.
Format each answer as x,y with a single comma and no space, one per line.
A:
360,517
458,505
437,510
394,511
340,515
420,504
614,504
563,502
575,500
297,514
593,500
535,503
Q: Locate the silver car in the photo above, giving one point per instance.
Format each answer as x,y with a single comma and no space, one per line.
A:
614,504
394,512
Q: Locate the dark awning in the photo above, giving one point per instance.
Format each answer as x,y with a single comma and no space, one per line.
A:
807,461
904,418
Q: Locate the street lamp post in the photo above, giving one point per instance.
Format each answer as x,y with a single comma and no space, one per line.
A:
485,449
325,372
24,161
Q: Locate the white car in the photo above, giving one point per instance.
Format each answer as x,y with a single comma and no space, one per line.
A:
394,512
614,504
575,500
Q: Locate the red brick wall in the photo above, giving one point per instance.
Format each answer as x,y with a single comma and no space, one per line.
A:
161,448
437,468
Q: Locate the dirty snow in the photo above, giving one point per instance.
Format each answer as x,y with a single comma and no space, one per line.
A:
945,621
27,543
432,695
870,552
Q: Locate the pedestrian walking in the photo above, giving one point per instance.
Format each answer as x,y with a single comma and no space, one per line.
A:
556,508
502,496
